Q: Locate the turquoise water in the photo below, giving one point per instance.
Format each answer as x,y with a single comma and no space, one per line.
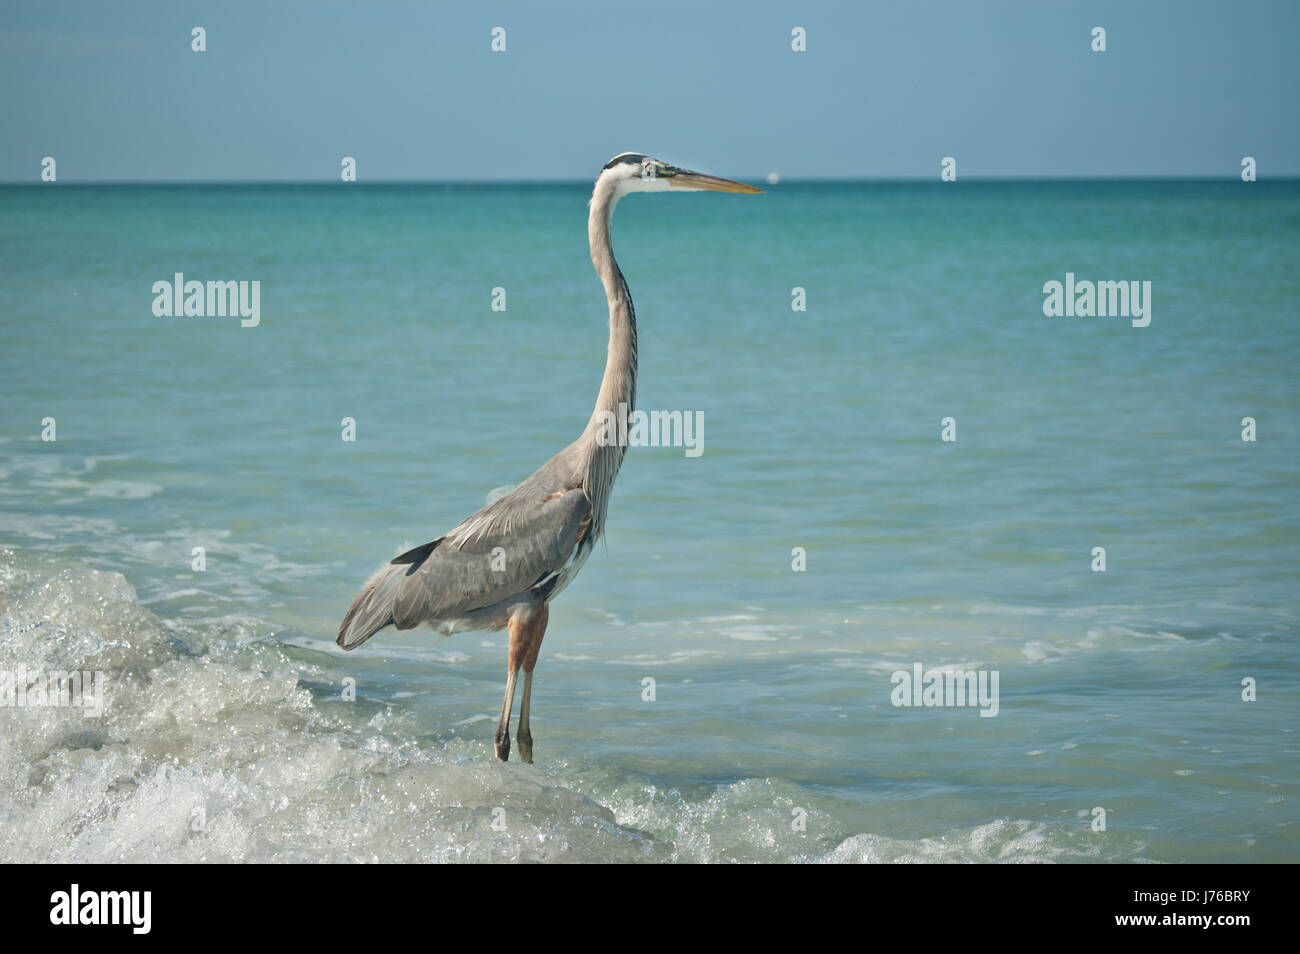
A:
1119,689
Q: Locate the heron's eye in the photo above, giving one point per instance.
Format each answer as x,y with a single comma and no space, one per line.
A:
648,169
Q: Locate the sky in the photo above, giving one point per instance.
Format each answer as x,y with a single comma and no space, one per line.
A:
414,90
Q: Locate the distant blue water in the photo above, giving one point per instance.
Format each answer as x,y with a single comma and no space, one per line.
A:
1119,690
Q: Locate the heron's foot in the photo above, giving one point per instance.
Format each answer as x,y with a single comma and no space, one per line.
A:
525,740
501,745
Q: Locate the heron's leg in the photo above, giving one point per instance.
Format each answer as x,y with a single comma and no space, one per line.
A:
501,744
523,736
518,627
536,630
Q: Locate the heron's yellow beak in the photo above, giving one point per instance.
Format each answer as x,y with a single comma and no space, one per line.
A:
685,179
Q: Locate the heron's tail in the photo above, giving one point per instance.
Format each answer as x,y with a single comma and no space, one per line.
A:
372,610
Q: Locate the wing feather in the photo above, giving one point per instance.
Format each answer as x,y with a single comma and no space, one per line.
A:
503,550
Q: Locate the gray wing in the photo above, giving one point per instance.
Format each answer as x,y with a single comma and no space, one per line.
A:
521,542
518,542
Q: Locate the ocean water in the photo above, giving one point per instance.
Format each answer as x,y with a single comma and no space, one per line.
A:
771,735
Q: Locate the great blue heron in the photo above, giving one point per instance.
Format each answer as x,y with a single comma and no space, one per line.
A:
502,566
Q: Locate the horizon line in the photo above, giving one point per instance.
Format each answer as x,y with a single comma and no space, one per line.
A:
809,180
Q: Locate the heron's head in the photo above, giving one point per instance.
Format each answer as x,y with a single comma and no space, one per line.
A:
633,172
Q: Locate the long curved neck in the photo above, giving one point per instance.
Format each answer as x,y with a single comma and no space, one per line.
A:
618,386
